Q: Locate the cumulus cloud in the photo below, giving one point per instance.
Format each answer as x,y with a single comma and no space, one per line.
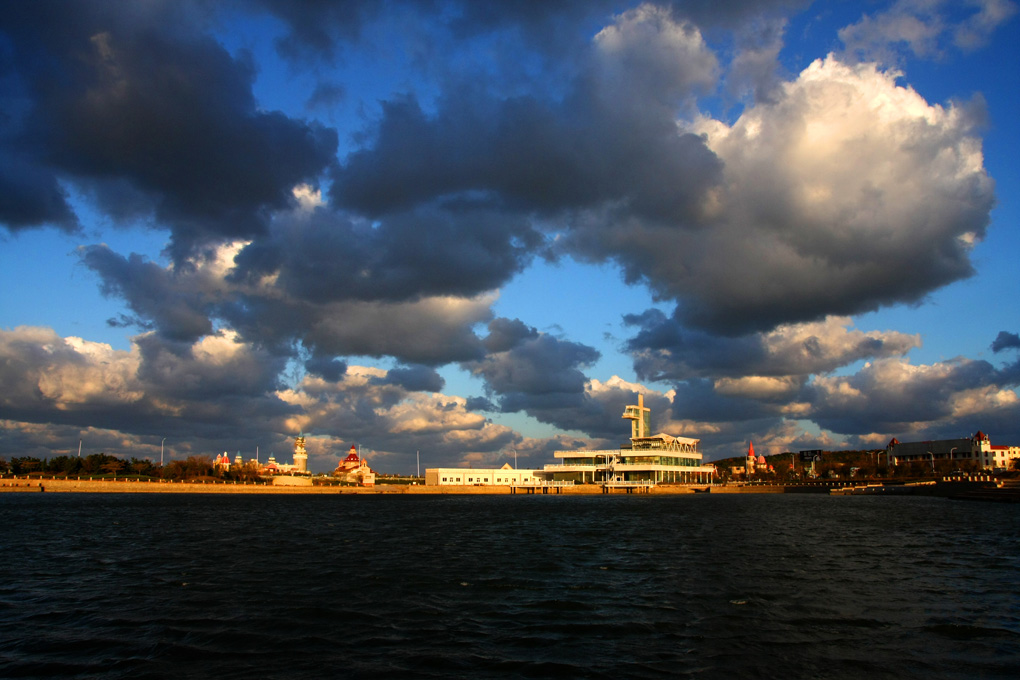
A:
830,194
182,303
155,386
895,396
220,393
368,407
664,349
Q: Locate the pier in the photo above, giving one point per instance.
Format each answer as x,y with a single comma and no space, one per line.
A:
628,487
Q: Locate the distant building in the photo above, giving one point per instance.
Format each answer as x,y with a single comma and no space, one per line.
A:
355,469
977,450
753,463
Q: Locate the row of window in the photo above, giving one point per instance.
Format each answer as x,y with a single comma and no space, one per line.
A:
471,480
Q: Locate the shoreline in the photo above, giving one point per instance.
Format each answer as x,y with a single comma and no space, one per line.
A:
981,488
160,486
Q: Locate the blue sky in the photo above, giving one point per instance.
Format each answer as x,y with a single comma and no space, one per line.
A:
471,228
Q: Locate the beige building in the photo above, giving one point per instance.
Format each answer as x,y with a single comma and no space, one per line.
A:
977,449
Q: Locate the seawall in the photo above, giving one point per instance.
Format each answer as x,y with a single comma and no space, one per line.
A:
160,486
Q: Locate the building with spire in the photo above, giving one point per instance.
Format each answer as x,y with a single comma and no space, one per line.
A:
355,469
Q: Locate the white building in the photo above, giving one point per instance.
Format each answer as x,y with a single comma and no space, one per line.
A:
655,459
658,458
504,476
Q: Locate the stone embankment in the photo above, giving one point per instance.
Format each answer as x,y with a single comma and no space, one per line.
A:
219,487
973,488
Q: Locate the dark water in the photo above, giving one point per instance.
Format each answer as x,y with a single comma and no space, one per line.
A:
148,586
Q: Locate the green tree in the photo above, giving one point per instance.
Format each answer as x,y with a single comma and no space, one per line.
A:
142,467
198,466
25,465
66,465
113,466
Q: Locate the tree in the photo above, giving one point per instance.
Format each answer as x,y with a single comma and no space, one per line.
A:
198,466
113,466
142,467
25,465
66,465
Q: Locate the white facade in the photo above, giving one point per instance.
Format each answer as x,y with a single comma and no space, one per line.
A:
656,459
505,476
650,459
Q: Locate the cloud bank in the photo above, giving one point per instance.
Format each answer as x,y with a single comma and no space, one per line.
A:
298,248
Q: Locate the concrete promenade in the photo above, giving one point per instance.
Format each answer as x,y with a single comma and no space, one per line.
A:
158,486
944,487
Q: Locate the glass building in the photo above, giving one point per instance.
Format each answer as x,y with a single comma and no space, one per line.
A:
658,459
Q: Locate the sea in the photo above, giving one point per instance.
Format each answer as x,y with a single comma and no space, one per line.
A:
619,586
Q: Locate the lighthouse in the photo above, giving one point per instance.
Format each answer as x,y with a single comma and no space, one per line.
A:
300,456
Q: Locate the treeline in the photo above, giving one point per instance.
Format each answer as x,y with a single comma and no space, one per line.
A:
104,465
845,465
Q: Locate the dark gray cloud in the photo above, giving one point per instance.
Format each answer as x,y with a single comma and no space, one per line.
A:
326,257
532,371
665,349
1005,340
327,368
145,99
416,378
527,154
179,314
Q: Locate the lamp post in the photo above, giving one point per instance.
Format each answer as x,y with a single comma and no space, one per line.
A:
161,451
932,462
417,455
951,457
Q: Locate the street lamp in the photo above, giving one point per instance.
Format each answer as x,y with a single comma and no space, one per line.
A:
161,452
932,462
951,456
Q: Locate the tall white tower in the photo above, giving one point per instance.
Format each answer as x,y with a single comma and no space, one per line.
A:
300,456
641,417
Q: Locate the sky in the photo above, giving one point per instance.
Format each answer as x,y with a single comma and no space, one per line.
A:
457,233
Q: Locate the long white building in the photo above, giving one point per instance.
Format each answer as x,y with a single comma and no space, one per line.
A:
504,476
